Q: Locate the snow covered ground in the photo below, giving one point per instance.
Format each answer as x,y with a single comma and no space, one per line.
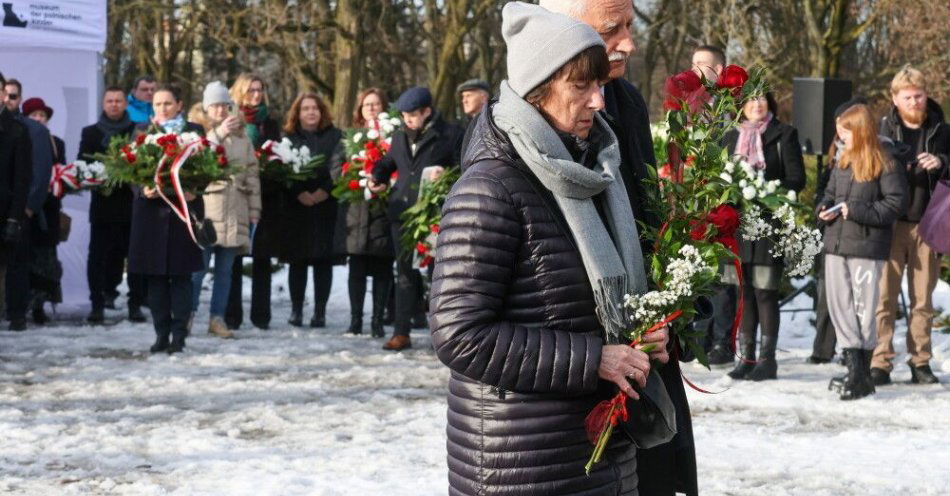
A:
86,410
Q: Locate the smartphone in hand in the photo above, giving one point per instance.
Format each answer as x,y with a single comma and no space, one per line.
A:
836,208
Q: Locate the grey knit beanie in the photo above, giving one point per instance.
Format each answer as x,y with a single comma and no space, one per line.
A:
215,92
540,42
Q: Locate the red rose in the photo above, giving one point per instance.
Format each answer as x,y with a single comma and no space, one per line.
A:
422,248
726,220
219,150
434,228
685,87
140,139
354,184
425,262
734,78
665,172
168,139
698,232
129,157
204,142
222,161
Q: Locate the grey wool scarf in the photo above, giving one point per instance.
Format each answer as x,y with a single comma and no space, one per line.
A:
614,269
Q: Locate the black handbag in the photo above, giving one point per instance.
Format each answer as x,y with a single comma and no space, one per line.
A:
204,231
652,418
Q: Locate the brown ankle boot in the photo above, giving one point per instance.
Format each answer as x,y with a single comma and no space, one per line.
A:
398,343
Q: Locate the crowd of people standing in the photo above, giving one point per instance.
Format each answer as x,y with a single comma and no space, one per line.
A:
135,237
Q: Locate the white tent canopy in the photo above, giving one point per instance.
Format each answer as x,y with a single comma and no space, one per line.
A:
54,49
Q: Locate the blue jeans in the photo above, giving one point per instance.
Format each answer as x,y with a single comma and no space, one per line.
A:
223,260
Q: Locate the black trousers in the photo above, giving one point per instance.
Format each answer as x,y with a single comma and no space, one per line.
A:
108,250
322,283
760,309
825,340
409,291
260,293
719,325
381,270
169,299
16,258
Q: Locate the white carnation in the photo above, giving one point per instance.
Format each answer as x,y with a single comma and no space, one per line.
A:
726,177
749,193
358,137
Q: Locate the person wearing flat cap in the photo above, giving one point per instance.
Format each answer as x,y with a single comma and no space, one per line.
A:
474,94
426,140
537,248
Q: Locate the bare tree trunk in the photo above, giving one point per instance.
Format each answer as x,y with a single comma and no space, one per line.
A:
349,55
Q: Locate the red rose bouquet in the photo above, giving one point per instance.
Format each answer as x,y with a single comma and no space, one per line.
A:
706,201
185,161
365,147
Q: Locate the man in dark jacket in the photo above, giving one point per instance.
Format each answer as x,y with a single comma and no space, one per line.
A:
914,124
110,216
426,141
42,157
670,467
15,177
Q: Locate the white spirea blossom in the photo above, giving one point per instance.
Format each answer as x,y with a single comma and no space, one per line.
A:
653,306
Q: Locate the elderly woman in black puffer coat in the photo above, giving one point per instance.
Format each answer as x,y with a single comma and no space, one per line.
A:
537,248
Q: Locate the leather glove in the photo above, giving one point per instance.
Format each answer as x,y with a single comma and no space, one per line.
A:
11,231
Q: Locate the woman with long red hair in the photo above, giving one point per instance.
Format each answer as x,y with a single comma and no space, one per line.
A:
866,193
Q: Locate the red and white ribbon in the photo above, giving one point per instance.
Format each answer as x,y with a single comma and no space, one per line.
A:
63,176
181,209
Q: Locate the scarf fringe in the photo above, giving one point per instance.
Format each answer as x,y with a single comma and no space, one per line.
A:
609,296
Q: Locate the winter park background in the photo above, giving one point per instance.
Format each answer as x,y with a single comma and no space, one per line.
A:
86,410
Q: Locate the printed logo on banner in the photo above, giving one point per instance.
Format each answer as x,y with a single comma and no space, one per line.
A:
73,24
10,17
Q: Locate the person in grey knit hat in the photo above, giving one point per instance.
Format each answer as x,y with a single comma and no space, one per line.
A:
537,248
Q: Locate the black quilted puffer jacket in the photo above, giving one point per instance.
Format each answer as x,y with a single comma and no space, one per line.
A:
512,314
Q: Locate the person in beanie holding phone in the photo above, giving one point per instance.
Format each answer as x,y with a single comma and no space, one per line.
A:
231,205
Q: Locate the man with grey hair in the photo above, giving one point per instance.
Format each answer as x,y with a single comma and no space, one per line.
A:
669,468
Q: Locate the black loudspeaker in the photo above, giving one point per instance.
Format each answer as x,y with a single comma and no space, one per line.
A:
813,107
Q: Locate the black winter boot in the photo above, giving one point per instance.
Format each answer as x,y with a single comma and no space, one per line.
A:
356,325
922,374
858,382
747,361
296,314
880,377
161,344
319,319
767,367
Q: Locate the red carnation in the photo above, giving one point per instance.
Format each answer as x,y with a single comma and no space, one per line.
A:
726,220
422,248
425,262
354,184
219,150
140,139
129,157
665,172
222,161
685,87
346,167
434,228
167,139
734,78
204,142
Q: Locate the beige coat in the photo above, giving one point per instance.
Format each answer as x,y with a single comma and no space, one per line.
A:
232,204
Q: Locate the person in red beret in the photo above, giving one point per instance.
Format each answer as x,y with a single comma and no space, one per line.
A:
45,269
